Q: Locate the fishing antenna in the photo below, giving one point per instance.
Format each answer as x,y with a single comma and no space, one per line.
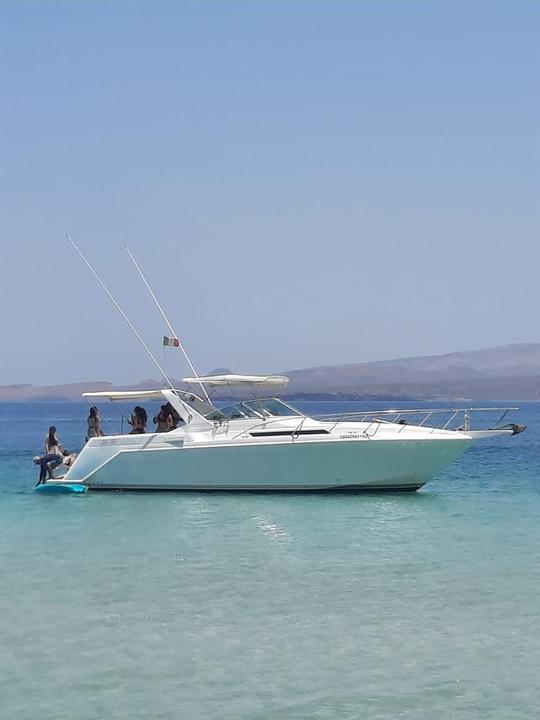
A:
175,336
122,313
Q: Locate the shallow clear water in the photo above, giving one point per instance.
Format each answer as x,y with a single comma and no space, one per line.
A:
129,606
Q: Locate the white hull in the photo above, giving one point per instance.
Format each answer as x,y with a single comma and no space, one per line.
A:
358,464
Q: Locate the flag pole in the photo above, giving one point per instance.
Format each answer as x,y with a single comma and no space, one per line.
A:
171,329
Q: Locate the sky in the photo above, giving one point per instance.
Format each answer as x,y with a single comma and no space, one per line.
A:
304,183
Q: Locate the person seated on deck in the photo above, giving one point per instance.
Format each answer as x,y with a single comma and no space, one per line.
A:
68,458
138,421
94,428
163,420
53,448
52,444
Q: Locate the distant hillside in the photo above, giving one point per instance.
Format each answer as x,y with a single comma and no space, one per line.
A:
510,372
67,392
520,361
479,389
72,391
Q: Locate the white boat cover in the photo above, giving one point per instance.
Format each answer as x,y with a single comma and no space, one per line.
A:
220,380
126,395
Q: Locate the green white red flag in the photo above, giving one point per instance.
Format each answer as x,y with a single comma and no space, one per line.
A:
170,342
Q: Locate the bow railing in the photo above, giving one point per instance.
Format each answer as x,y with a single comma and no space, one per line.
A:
434,419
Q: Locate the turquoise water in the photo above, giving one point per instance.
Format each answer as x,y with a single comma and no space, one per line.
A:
169,606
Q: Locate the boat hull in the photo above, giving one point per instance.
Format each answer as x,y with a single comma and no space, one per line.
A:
346,465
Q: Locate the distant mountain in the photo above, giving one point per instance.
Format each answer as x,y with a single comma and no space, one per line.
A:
69,391
510,372
508,361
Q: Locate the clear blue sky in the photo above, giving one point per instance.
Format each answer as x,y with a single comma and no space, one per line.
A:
304,182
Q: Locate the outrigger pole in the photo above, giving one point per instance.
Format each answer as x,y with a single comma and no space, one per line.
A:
175,336
122,313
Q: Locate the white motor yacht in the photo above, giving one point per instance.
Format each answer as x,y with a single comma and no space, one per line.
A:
265,444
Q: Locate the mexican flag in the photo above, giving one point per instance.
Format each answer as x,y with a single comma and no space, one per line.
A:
170,342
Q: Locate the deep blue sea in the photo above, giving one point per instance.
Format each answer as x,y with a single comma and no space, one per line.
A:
171,606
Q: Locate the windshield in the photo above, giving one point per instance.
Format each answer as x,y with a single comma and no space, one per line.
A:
271,407
232,412
201,406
